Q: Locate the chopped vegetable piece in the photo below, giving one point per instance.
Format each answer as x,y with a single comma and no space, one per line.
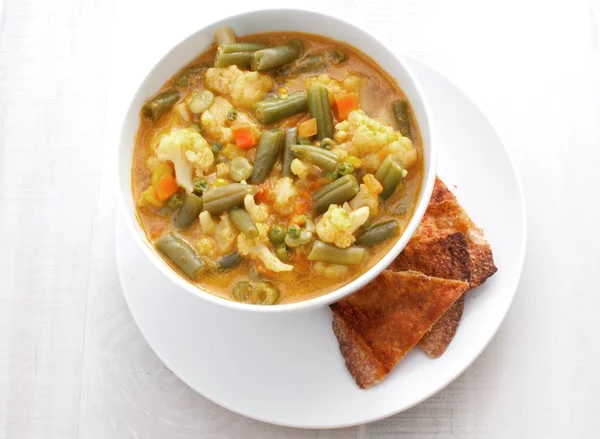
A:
189,211
267,152
230,261
160,104
161,171
401,114
282,252
345,168
239,54
264,293
225,35
318,156
242,221
166,187
390,174
378,233
220,182
244,136
242,291
182,79
311,63
337,57
330,253
326,143
149,197
242,47
195,127
318,105
346,104
175,201
272,110
216,147
201,101
304,141
220,199
354,161
276,234
336,192
291,138
308,128
181,254
232,151
273,57
240,169
302,239
200,186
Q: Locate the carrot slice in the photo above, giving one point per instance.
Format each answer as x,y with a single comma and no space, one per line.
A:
308,128
244,137
166,187
346,104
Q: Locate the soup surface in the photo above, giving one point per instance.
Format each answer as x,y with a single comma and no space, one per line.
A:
276,167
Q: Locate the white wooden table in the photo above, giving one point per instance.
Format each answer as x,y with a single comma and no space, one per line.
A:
73,363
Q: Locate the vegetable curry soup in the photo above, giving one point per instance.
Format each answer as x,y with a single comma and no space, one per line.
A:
276,167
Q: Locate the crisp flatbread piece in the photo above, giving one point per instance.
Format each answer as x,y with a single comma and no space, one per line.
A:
379,324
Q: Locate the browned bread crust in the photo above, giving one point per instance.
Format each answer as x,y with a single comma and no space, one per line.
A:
381,322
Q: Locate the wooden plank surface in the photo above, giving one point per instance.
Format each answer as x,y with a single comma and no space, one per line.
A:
72,362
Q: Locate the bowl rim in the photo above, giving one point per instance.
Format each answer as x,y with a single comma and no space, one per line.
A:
429,170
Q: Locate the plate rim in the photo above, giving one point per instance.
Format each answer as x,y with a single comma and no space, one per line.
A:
411,60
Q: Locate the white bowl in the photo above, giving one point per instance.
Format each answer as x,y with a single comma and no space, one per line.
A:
269,21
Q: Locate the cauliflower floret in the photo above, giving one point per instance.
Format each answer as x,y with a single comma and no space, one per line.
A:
225,234
337,226
207,223
206,247
258,212
250,88
285,192
186,148
330,270
256,248
223,170
299,168
368,198
245,88
373,141
214,120
335,88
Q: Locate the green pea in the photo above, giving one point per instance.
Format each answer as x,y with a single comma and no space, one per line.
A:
332,175
277,234
242,291
282,252
264,293
201,186
345,169
195,127
216,147
294,231
220,158
232,114
326,143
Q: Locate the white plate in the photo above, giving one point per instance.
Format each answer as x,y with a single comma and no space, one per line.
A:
287,369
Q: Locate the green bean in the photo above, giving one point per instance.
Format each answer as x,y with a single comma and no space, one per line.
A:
378,233
181,254
230,261
336,192
282,252
267,152
402,116
222,198
333,255
242,291
291,138
271,110
310,63
273,57
189,211
317,156
160,104
304,141
240,169
242,47
264,293
303,238
276,234
390,174
318,105
182,78
242,221
225,35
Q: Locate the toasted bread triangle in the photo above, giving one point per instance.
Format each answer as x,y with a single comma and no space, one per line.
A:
379,324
